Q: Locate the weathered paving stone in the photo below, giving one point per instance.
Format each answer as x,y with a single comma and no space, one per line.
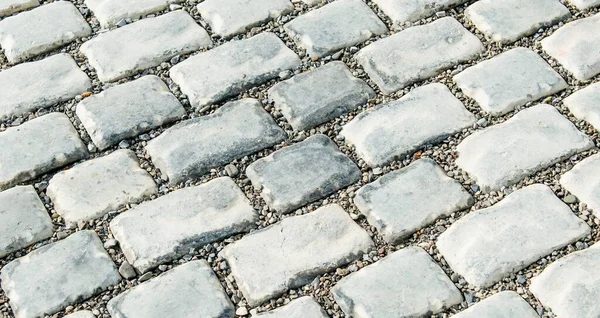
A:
406,283
58,275
233,67
509,80
8,7
425,115
402,202
193,147
301,173
402,11
110,12
95,187
81,314
146,43
127,110
303,307
307,246
506,304
196,216
585,104
36,147
585,4
583,182
312,98
489,244
189,290
41,30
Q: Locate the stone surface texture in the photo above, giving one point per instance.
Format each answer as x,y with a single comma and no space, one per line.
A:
585,4
506,304
583,182
402,11
81,314
8,7
303,307
112,12
585,104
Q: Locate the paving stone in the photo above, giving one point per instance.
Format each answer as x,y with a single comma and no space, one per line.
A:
506,304
400,60
582,181
307,246
509,80
303,307
585,4
58,275
36,147
189,290
311,3
487,245
402,11
233,67
23,219
81,314
8,7
406,283
127,110
41,30
426,115
404,201
198,215
110,12
301,173
95,187
193,147
573,46
585,104
312,98
146,43
494,156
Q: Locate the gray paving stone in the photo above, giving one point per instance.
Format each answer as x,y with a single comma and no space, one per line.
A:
506,304
301,173
36,147
585,4
95,187
307,246
110,12
58,275
233,67
196,216
583,182
312,98
490,244
8,7
426,115
303,307
406,283
402,11
41,30
127,110
509,80
585,104
189,290
193,147
146,43
494,156
335,26
81,314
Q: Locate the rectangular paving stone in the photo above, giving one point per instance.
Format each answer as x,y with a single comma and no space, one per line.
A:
495,158
301,173
388,131
402,11
146,43
95,187
583,182
295,251
150,236
490,244
110,12
506,304
36,147
418,53
127,110
193,147
315,97
57,275
406,283
585,104
8,7
585,4
233,67
81,314
335,26
303,307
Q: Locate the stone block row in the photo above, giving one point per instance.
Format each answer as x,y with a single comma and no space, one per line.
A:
111,12
401,12
506,304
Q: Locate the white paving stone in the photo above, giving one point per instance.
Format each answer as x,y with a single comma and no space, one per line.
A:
58,275
81,314
303,307
426,115
494,157
585,4
490,244
506,304
583,181
406,283
110,12
8,7
306,246
402,11
585,104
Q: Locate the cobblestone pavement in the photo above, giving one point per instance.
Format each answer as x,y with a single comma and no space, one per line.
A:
299,158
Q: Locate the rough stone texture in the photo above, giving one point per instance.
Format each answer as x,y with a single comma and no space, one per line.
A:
585,4
57,275
95,187
489,244
81,314
233,67
127,110
402,11
301,173
307,246
506,304
8,7
193,147
312,98
303,307
406,283
585,104
335,26
110,12
494,156
426,115
146,43
583,182
399,60
508,80
196,216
